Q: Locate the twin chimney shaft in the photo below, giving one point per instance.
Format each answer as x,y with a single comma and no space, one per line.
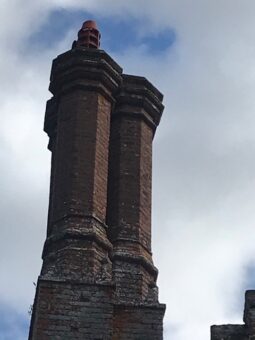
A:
98,280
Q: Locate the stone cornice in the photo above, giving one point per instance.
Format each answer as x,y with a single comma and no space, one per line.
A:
140,259
139,98
85,68
93,230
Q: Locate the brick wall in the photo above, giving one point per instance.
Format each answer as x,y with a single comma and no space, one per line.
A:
67,310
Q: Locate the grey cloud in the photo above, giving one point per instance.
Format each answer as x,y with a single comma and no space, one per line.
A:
203,181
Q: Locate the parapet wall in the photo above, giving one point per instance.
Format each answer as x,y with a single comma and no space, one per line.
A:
245,331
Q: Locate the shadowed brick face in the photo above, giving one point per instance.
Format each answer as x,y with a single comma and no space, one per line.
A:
129,209
82,140
98,280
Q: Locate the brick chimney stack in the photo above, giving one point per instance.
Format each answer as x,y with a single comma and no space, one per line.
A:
98,280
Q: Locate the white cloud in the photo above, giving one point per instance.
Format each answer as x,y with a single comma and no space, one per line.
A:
204,165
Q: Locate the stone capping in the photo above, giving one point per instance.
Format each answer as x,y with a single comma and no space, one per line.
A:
89,54
83,54
141,82
125,256
138,97
78,79
119,113
84,63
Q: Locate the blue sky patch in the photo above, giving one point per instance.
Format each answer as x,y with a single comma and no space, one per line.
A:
249,281
117,34
13,325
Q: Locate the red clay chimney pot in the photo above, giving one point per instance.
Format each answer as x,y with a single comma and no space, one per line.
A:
89,35
90,24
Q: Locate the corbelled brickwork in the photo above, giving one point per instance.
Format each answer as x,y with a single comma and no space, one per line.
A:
239,332
98,280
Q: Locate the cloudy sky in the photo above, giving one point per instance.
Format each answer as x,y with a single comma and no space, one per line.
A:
201,55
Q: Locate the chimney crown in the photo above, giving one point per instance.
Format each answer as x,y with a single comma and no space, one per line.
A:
89,35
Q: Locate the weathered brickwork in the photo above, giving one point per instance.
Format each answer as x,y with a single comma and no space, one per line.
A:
138,322
98,280
72,310
134,120
239,332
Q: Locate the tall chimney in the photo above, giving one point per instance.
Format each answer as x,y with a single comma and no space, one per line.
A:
98,280
75,288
